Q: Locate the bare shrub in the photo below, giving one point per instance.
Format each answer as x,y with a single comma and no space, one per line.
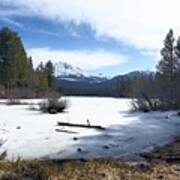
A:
13,101
140,105
144,105
33,107
53,105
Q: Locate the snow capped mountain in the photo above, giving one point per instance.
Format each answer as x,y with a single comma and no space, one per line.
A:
67,72
74,81
140,73
65,69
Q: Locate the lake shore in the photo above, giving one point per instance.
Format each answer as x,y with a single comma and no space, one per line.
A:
163,164
30,134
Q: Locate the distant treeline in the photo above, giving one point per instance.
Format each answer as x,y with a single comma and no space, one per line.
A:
119,86
18,78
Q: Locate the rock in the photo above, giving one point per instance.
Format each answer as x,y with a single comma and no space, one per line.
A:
79,150
146,110
160,177
52,111
18,127
144,166
106,147
75,138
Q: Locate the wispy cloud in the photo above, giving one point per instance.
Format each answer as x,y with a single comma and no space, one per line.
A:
22,26
139,23
89,60
153,54
12,22
45,32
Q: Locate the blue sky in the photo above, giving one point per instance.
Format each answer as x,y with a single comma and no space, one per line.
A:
97,36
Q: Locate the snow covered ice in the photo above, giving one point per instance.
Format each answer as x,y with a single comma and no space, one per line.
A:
31,134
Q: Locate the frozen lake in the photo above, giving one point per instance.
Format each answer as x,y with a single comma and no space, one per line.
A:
31,134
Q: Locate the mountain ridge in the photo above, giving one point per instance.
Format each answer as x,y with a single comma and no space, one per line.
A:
82,84
65,71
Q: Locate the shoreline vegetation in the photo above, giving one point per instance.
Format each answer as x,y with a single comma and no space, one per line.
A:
162,163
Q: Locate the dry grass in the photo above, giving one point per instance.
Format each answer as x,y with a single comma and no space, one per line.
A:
84,170
164,165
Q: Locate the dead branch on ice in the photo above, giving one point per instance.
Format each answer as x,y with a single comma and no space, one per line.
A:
80,125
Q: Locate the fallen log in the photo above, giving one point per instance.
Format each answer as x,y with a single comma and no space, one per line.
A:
80,125
66,131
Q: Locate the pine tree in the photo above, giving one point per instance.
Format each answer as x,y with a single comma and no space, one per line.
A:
1,70
50,75
177,53
16,69
166,69
42,78
177,74
31,74
167,64
14,64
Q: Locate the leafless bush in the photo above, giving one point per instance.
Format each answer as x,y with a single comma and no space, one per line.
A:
13,101
53,105
140,105
147,105
33,107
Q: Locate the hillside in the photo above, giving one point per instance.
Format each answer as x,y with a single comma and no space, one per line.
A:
76,82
